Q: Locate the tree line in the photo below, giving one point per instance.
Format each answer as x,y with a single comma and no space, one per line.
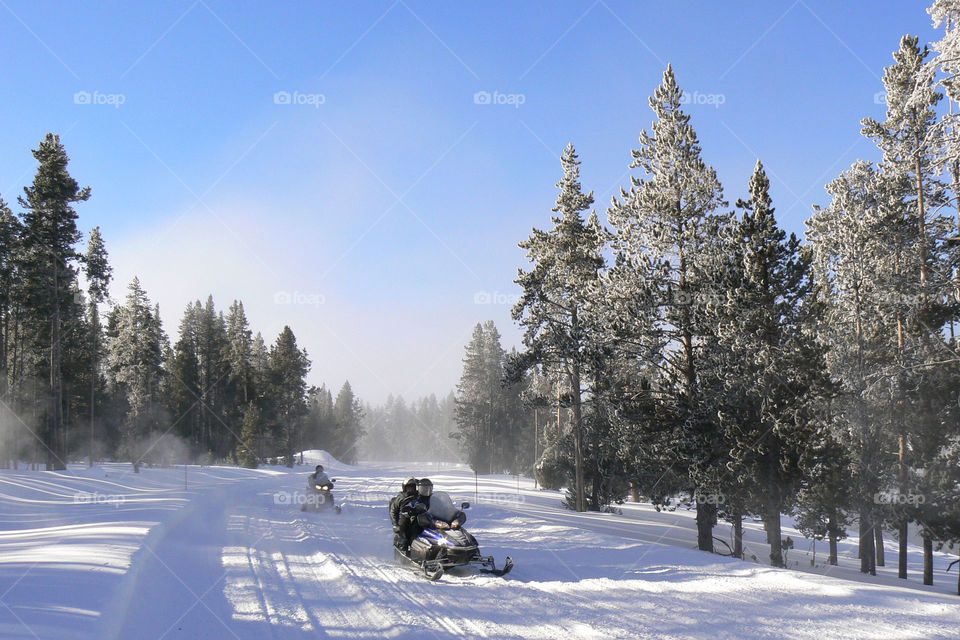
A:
81,375
695,352
417,431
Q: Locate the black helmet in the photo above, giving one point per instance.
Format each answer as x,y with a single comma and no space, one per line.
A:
410,482
425,487
319,468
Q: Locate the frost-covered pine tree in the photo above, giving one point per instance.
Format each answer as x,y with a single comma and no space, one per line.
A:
909,140
766,368
99,274
664,280
855,277
480,400
558,298
136,364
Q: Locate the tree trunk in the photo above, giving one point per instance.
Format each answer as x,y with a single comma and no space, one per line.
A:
706,519
55,460
867,552
878,541
832,526
738,536
772,523
93,378
577,436
928,559
597,477
634,492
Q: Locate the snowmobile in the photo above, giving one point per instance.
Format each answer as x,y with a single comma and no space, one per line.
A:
321,499
442,546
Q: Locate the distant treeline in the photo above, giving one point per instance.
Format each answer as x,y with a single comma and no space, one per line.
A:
82,376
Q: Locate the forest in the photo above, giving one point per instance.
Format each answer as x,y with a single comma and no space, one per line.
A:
686,351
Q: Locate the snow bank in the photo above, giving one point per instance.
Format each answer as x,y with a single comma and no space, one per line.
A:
313,457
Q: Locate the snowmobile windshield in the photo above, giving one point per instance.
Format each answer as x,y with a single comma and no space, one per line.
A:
441,506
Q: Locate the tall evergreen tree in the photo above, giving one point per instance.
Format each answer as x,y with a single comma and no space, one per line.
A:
555,306
136,365
99,274
769,369
50,236
909,144
287,391
664,280
347,416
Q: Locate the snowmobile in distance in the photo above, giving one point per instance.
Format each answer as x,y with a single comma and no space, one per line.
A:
442,546
321,499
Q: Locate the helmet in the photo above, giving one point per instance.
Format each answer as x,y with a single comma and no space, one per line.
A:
425,487
410,482
319,468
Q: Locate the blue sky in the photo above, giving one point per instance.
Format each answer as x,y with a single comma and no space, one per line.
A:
378,211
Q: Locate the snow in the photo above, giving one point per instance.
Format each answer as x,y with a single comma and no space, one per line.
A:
106,553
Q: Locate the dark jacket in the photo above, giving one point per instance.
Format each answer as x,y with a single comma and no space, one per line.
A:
397,503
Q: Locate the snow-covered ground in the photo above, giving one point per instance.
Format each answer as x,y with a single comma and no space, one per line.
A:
105,553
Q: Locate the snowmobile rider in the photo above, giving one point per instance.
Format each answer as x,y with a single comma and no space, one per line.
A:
317,483
399,517
420,510
318,479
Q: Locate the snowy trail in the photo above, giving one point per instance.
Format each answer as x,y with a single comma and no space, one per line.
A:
227,560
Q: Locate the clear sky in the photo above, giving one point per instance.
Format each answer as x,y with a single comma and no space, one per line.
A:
362,171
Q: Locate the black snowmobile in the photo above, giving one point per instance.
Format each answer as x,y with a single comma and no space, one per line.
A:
442,546
321,499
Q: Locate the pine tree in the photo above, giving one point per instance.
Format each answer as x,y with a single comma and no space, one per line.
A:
136,365
769,369
662,284
50,236
249,437
239,352
476,405
909,144
10,232
99,274
858,288
347,415
286,391
554,308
